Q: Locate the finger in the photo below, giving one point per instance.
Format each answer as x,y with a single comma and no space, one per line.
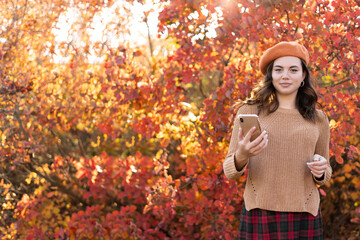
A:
317,174
248,135
318,160
310,166
258,140
317,157
318,169
320,163
261,145
240,134
261,149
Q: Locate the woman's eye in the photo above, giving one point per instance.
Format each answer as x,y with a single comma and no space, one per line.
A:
294,70
277,70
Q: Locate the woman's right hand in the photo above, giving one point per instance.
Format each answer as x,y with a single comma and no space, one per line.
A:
247,149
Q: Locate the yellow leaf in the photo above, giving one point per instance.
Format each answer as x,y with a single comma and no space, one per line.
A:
159,153
56,210
213,54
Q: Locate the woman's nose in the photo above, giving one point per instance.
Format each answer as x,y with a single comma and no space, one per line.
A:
285,74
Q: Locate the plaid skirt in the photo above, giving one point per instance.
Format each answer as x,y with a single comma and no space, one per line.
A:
264,224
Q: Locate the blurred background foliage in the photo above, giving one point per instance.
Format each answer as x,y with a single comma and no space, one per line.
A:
115,126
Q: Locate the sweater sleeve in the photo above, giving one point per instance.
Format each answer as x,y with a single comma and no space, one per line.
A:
230,170
322,146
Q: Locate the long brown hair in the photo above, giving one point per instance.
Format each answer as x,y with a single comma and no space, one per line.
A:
265,95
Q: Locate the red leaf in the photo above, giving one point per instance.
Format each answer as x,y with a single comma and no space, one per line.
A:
137,53
187,76
322,192
357,210
353,149
355,220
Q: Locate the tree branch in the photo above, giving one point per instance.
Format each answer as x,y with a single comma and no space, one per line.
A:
54,182
26,134
287,16
338,83
149,37
201,89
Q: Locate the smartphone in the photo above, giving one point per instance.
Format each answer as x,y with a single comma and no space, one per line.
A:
247,121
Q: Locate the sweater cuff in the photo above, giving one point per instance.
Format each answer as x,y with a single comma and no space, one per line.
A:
320,178
325,178
230,168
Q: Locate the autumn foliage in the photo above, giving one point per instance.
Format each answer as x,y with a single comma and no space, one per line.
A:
104,138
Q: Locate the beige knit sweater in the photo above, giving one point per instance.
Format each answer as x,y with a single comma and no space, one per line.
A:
278,178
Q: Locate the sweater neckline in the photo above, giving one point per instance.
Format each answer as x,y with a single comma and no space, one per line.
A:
286,110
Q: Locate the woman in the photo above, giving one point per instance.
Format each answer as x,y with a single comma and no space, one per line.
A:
291,155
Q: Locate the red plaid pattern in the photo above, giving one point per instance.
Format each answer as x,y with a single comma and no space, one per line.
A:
263,224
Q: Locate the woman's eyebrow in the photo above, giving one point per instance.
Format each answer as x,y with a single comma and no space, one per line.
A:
278,66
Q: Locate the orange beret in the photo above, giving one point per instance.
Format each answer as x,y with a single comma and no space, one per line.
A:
283,49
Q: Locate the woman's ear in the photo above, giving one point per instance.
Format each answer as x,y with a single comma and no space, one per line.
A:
304,75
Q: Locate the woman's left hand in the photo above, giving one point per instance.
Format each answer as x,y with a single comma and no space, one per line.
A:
318,166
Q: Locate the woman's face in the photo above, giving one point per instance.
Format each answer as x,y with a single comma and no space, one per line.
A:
287,75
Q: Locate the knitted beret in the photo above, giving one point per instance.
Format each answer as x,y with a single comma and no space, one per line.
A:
283,49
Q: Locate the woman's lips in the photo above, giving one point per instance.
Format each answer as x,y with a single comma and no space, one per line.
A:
285,84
